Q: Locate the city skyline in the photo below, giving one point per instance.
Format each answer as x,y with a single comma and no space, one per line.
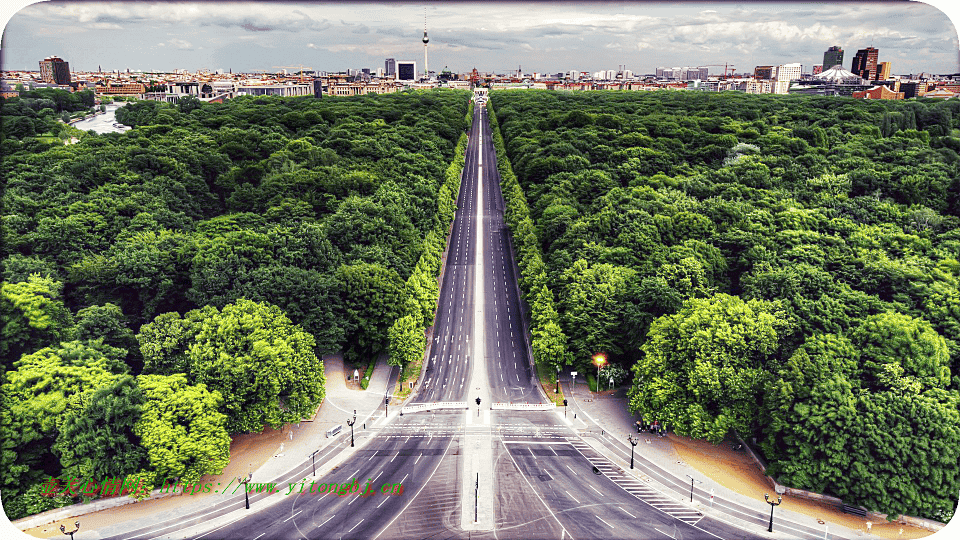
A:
251,36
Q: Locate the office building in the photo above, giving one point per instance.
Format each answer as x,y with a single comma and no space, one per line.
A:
785,73
763,72
55,70
865,63
883,71
833,57
406,70
390,67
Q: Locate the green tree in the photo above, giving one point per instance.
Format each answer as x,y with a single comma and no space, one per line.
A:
262,365
36,397
181,428
909,346
592,307
702,370
407,341
371,298
98,441
33,317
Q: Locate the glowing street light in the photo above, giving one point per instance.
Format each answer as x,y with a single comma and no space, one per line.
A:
599,359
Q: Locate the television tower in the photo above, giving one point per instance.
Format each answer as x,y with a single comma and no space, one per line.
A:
426,64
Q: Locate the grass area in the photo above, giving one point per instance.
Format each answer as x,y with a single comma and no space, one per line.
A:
548,380
409,374
364,371
367,372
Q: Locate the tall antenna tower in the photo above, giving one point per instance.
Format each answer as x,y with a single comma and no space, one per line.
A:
426,64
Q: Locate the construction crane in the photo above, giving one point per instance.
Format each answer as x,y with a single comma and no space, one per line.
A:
725,67
301,66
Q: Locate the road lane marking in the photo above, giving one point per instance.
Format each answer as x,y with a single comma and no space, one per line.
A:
571,496
361,521
598,517
293,516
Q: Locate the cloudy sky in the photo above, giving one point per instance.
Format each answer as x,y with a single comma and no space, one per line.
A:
491,36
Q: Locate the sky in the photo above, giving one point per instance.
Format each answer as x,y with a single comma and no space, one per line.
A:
546,37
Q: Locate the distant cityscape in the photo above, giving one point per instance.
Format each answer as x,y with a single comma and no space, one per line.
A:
867,78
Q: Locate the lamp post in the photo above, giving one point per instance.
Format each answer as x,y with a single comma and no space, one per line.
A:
564,408
386,402
691,486
65,531
351,422
478,407
558,379
633,444
313,458
599,359
246,492
772,504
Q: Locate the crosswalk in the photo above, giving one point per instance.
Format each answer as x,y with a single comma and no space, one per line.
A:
637,488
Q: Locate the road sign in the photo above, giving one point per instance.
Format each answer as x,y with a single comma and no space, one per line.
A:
573,373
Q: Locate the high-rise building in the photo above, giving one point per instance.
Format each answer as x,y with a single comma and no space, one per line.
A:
406,70
865,63
390,66
55,70
785,73
833,57
764,72
883,71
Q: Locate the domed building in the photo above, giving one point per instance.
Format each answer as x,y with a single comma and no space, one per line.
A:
835,81
837,75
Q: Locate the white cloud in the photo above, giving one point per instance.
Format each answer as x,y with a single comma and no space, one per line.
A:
311,46
180,44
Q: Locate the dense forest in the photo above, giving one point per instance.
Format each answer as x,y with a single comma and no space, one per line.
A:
168,286
783,267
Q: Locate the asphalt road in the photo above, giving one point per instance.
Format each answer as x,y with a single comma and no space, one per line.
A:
405,454
506,353
446,375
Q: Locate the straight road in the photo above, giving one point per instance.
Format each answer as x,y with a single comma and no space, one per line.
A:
506,353
446,376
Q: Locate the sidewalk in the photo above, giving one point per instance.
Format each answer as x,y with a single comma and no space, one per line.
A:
267,454
730,473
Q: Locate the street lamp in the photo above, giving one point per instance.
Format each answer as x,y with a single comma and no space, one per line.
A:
772,504
564,408
633,444
64,529
351,422
386,401
246,492
558,379
691,486
313,458
478,407
599,359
